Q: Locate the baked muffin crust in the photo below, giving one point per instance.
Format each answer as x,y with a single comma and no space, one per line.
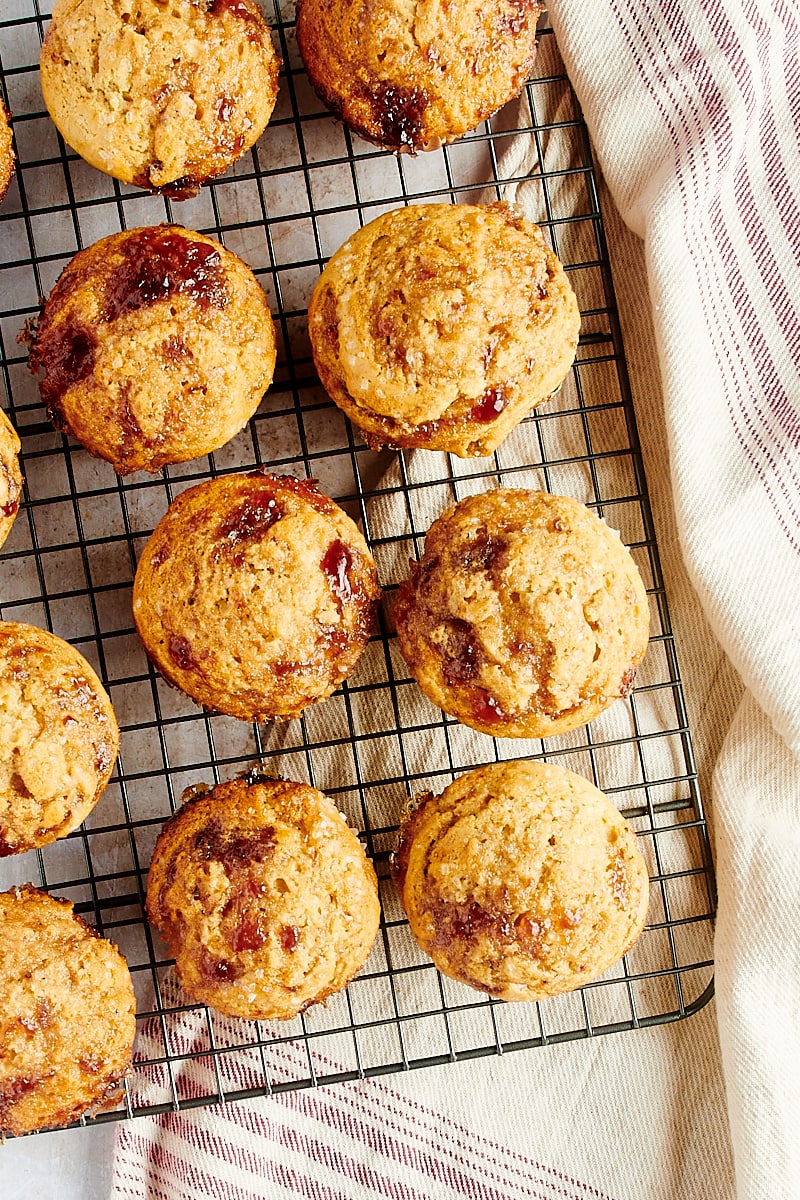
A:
411,76
67,1014
164,96
442,326
255,595
264,895
11,480
59,738
7,160
521,880
526,616
155,346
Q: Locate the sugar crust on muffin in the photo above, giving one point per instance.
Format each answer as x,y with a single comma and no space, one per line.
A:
67,1014
155,346
163,96
526,615
255,595
443,325
59,738
264,895
414,75
521,880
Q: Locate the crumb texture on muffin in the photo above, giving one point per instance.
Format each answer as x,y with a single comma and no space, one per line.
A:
59,738
164,96
255,595
11,480
67,1014
443,325
414,75
264,895
526,616
521,880
155,346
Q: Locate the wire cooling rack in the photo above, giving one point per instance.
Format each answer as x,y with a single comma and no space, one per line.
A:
68,566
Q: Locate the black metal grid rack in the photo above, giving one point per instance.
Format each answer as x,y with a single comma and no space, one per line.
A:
68,566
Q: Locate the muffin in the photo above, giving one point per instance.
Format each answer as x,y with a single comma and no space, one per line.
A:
7,159
155,346
442,326
10,476
264,896
164,96
526,616
59,738
521,880
67,1014
255,595
410,77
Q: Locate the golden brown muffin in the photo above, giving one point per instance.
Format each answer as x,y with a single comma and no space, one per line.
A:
442,326
526,616
264,895
156,346
411,76
10,476
67,1014
59,738
7,159
521,880
255,595
164,96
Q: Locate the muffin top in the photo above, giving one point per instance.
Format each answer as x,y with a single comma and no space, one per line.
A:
443,325
164,96
59,738
67,1014
7,160
411,76
521,880
526,615
155,346
10,476
255,595
264,895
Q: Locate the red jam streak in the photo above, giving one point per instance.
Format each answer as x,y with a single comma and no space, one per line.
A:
464,654
290,936
336,563
486,709
397,112
157,265
217,969
65,360
212,844
490,405
181,653
250,521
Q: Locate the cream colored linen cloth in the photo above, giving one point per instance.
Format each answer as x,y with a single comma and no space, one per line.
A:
693,113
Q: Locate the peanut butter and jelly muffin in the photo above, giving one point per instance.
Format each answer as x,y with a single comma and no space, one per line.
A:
521,880
67,1014
443,325
265,897
59,738
155,346
164,96
526,616
255,595
10,476
6,151
412,76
